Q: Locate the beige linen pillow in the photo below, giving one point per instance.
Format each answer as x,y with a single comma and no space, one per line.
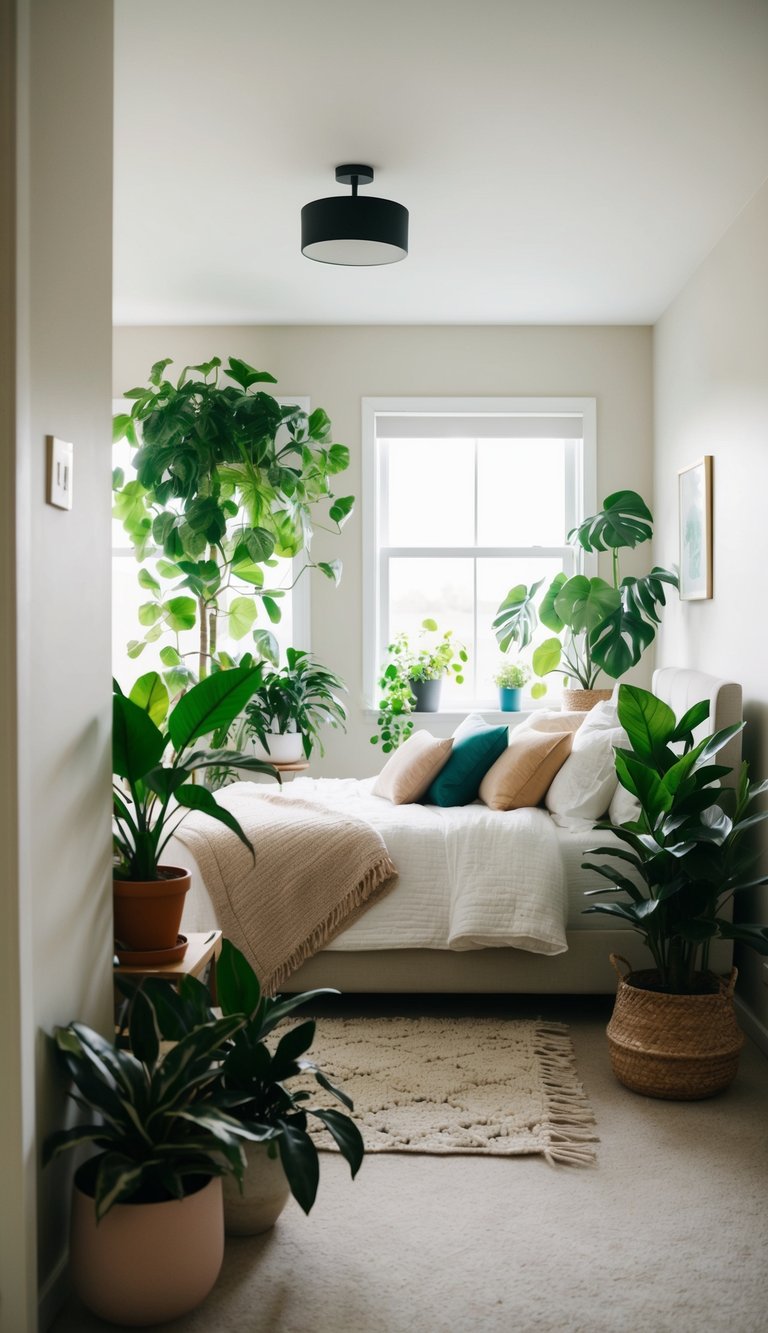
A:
523,773
410,770
552,719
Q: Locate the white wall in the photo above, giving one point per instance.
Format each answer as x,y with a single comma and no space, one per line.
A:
56,668
711,390
337,366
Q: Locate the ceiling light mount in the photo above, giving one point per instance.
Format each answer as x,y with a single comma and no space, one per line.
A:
354,229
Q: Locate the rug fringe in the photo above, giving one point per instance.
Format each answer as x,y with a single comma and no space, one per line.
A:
376,877
569,1112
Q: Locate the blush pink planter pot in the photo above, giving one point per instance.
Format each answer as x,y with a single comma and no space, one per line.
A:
146,1263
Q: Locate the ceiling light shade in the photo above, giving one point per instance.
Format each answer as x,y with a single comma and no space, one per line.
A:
353,228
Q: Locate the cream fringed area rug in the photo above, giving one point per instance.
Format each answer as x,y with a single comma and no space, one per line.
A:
459,1085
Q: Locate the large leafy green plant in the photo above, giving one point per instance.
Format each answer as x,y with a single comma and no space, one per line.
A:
598,626
253,1078
301,696
155,757
227,481
162,1115
687,852
428,658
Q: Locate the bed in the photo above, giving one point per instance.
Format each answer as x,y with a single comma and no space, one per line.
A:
423,938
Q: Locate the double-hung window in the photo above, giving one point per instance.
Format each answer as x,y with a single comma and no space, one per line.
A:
464,499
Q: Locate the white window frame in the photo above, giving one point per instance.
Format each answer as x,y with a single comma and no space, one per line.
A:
373,476
301,607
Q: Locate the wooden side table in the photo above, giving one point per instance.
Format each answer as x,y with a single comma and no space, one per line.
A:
199,961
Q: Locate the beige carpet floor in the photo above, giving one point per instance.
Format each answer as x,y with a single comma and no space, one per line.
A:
668,1233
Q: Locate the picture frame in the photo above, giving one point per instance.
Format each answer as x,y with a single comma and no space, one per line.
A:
695,517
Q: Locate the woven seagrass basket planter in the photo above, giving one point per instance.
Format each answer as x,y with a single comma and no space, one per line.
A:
580,701
678,1047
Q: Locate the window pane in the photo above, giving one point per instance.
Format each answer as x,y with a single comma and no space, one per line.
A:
444,590
494,580
431,493
521,492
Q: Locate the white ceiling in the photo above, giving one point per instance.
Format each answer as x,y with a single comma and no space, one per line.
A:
564,161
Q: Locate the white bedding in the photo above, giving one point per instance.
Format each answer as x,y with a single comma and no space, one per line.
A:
470,877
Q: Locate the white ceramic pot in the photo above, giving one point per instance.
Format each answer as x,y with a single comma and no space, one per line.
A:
265,1193
286,748
146,1263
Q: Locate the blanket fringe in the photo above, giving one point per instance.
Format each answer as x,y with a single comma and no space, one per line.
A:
570,1117
383,870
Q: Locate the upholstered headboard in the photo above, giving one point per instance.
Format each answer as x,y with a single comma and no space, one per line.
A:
681,687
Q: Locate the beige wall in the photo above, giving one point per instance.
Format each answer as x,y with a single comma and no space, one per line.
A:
56,676
337,366
711,389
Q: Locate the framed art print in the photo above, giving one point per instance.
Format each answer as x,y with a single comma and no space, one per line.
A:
695,498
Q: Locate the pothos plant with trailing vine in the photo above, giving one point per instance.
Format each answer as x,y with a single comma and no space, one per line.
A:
227,482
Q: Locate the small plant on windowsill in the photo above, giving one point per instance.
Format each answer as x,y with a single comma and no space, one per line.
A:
512,676
408,669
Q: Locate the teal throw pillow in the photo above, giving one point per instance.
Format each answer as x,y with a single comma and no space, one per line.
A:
472,755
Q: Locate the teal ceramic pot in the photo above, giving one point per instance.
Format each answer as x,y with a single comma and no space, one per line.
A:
509,699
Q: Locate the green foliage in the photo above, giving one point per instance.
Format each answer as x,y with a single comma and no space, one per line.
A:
686,852
425,660
163,1119
226,482
154,766
254,1078
512,676
301,696
599,626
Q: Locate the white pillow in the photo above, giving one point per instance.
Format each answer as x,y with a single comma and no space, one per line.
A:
471,723
587,782
624,807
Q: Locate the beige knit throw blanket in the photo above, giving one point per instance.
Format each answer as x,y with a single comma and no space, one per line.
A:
313,872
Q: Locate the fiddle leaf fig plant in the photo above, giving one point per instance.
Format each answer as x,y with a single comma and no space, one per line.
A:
598,626
227,483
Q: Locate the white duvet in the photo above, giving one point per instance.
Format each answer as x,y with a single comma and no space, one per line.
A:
469,877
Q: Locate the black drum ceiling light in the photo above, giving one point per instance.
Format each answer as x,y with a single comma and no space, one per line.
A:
353,228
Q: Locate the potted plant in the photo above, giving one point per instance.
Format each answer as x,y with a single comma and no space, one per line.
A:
227,480
510,679
291,705
155,757
147,1235
673,1032
252,1082
411,679
598,626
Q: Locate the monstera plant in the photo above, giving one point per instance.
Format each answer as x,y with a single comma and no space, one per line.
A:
598,626
227,482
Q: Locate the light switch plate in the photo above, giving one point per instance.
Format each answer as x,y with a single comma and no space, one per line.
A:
60,465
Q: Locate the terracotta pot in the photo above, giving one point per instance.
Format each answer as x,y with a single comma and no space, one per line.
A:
580,701
677,1047
145,1263
148,914
265,1193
